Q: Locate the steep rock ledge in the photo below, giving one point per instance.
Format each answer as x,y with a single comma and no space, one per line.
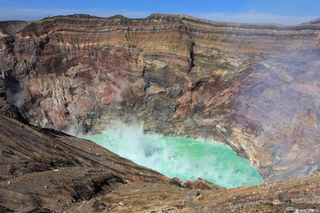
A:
253,87
43,170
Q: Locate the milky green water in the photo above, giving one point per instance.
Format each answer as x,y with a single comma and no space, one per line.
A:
187,159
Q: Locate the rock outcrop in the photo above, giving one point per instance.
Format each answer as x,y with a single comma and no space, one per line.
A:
44,170
316,21
253,87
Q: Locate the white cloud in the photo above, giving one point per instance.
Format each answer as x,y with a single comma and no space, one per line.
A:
12,13
255,17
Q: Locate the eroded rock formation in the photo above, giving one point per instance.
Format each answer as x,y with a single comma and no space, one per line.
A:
43,170
253,87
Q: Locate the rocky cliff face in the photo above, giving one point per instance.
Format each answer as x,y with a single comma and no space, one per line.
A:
252,87
43,170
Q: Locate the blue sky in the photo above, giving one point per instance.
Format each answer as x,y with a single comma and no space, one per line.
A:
251,11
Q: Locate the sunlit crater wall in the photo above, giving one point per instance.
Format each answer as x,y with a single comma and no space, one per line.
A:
252,87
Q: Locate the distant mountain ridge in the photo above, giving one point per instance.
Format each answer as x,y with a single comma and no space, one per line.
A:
315,21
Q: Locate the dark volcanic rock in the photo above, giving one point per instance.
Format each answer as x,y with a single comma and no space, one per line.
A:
44,170
25,150
148,197
56,190
12,27
316,21
253,87
6,108
47,170
284,197
192,194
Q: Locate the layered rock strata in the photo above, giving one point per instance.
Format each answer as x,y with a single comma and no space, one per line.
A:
253,87
43,170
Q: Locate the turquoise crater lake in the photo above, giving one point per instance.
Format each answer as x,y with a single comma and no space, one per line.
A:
187,159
